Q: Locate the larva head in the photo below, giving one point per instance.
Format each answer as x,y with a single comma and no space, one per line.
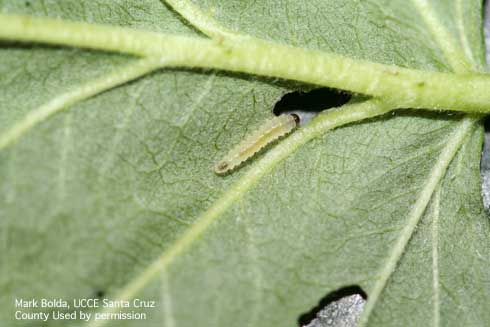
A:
221,167
296,118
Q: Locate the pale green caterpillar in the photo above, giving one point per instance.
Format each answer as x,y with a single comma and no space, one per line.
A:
270,131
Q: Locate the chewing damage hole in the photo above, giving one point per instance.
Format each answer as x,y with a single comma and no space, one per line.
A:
485,158
313,101
485,166
338,308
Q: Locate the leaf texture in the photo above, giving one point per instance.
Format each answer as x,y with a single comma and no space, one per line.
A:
94,198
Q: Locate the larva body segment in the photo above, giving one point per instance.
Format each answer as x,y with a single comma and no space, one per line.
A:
270,131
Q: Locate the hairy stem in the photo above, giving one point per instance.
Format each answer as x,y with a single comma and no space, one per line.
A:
400,87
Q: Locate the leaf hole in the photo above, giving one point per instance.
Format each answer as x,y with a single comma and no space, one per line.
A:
485,157
485,166
312,101
343,304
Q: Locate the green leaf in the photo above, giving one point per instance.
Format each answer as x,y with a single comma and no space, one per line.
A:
116,197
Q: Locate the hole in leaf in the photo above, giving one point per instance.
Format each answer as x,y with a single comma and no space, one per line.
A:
485,166
312,101
485,158
343,304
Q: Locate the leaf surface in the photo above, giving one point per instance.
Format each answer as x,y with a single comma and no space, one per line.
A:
95,197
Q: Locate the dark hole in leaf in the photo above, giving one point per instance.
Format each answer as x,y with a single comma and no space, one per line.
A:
485,158
337,295
486,147
312,101
27,4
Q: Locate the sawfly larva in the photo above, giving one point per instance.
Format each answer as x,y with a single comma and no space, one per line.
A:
270,131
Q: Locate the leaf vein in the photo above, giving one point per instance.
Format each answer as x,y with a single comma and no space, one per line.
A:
463,129
457,60
322,123
435,261
82,92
